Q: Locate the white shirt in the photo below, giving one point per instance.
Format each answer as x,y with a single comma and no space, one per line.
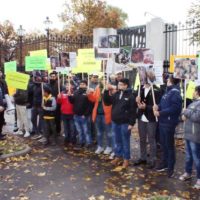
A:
146,91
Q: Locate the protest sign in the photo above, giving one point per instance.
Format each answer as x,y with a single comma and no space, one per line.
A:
17,80
142,56
105,42
87,62
10,67
42,52
35,63
186,67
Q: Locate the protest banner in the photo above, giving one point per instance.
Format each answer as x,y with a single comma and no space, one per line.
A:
10,67
35,63
42,52
17,80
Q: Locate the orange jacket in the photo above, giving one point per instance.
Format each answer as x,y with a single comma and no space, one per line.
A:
94,97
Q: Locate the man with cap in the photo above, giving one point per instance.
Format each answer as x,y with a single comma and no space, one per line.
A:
123,116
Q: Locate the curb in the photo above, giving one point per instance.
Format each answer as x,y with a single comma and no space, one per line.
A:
18,153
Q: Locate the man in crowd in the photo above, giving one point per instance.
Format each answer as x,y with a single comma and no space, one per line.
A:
168,112
123,118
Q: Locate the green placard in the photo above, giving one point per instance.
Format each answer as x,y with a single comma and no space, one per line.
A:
10,67
36,63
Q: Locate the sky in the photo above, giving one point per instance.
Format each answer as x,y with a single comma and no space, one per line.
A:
32,13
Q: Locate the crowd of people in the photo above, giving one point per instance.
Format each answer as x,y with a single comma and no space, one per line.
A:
103,113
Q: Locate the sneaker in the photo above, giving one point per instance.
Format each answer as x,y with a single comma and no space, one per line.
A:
161,168
27,134
140,162
42,140
112,156
19,133
185,177
107,151
197,185
99,150
36,137
170,173
15,129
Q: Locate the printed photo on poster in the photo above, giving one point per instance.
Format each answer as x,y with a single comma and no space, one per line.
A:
144,56
186,68
40,76
142,75
64,59
72,59
123,57
105,41
54,62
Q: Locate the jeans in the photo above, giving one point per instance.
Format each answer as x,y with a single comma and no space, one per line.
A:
103,128
168,147
147,130
122,139
192,154
69,128
81,123
37,126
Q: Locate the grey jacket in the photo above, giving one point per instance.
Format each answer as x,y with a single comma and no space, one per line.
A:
192,124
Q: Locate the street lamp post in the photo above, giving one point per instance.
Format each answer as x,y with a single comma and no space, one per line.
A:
20,33
47,24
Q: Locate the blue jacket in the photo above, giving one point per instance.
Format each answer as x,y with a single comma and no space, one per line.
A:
170,106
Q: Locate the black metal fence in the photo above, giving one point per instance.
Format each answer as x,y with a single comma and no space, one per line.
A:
182,39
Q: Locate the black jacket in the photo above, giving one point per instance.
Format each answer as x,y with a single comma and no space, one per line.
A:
35,91
148,100
54,88
82,106
21,97
124,108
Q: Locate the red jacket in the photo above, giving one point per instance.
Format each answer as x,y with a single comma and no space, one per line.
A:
66,106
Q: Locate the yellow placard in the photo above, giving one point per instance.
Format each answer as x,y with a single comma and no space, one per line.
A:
86,62
190,90
42,52
17,80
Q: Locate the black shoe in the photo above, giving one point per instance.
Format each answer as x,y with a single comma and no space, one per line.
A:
15,129
151,165
79,146
170,173
88,146
2,137
140,162
161,168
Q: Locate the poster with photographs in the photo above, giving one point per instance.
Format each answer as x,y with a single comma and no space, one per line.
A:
54,62
40,76
186,68
113,67
105,41
64,59
142,56
151,74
